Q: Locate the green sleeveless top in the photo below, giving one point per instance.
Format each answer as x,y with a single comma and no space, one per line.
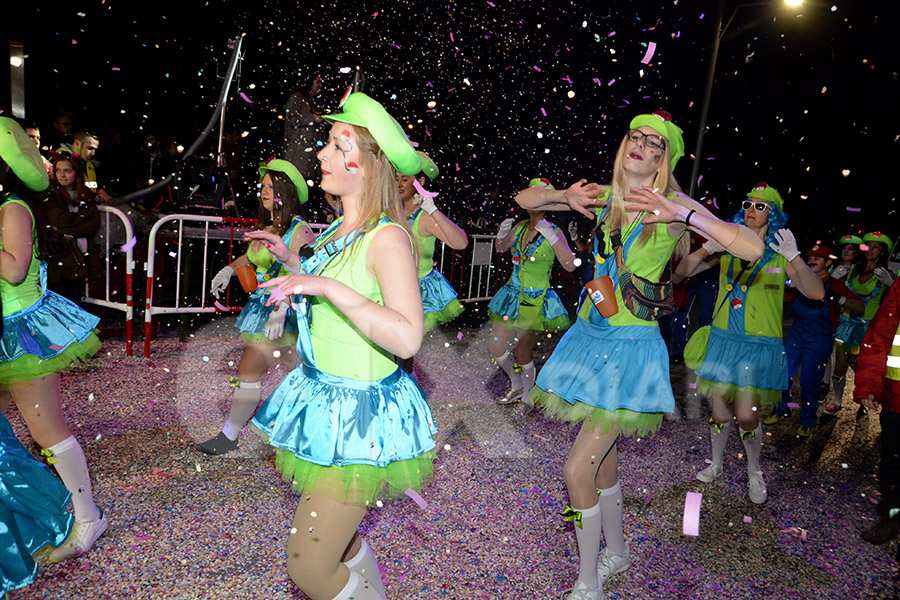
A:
764,306
426,245
872,292
263,260
535,270
19,296
645,260
339,346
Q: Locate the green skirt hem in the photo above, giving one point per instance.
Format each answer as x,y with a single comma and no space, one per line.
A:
445,315
728,391
628,422
560,323
21,371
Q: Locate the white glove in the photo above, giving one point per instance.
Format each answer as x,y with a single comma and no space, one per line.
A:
840,271
220,281
545,228
425,203
505,227
885,276
785,244
573,230
712,247
275,324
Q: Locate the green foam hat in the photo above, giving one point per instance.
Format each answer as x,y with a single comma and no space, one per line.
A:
361,110
877,236
427,165
22,156
286,167
850,239
763,191
541,182
661,121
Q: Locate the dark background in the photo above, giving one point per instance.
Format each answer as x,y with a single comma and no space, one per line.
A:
797,99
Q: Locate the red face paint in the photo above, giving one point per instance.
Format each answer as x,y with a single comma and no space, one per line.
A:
352,165
346,132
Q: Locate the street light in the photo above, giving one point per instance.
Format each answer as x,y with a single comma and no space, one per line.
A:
704,110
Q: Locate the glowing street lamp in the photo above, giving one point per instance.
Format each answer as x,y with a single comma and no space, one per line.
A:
704,110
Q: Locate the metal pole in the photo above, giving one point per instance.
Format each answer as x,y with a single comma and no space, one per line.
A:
704,110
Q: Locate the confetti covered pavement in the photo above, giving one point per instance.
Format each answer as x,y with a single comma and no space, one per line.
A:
187,526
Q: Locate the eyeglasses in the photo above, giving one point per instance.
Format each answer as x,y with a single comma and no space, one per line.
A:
757,206
657,142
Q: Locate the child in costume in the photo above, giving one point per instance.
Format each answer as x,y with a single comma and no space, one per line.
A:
526,304
349,425
744,365
269,331
612,373
870,279
42,332
808,344
428,225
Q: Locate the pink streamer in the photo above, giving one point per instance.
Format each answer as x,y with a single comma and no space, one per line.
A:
651,48
221,307
691,524
129,245
422,191
417,498
246,99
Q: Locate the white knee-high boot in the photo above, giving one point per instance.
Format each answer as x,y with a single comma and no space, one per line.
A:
366,565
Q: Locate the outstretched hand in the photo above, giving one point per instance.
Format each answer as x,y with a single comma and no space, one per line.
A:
297,285
582,196
660,208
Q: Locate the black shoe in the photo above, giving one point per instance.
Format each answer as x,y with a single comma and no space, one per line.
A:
883,531
218,445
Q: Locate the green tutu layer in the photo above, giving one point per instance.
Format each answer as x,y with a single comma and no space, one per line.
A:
727,392
559,323
356,484
449,312
288,340
627,421
19,372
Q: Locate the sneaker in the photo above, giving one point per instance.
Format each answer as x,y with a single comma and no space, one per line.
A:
511,396
610,564
774,418
710,473
80,540
757,488
583,592
218,445
883,531
804,431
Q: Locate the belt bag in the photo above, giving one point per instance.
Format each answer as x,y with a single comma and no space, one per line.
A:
646,300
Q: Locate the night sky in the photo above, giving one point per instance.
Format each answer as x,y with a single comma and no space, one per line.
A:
521,89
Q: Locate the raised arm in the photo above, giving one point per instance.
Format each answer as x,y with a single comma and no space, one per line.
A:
438,225
581,196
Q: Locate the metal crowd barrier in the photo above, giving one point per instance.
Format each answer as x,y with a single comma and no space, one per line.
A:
106,230
473,272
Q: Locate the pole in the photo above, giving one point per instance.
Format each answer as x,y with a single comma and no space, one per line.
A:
704,109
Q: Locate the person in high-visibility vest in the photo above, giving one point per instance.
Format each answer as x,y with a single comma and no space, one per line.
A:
878,384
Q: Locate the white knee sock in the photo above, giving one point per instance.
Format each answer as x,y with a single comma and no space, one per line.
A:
243,405
752,444
588,538
839,384
73,470
613,527
358,588
719,437
527,381
507,363
366,565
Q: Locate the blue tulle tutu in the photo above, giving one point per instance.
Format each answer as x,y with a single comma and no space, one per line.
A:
505,303
612,368
744,361
251,321
32,511
334,421
850,331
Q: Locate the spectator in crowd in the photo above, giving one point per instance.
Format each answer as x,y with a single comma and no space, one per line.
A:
303,126
60,134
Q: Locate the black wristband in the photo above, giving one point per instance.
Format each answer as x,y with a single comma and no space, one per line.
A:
687,219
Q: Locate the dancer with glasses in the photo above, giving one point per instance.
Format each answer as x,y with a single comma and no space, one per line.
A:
744,366
611,373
